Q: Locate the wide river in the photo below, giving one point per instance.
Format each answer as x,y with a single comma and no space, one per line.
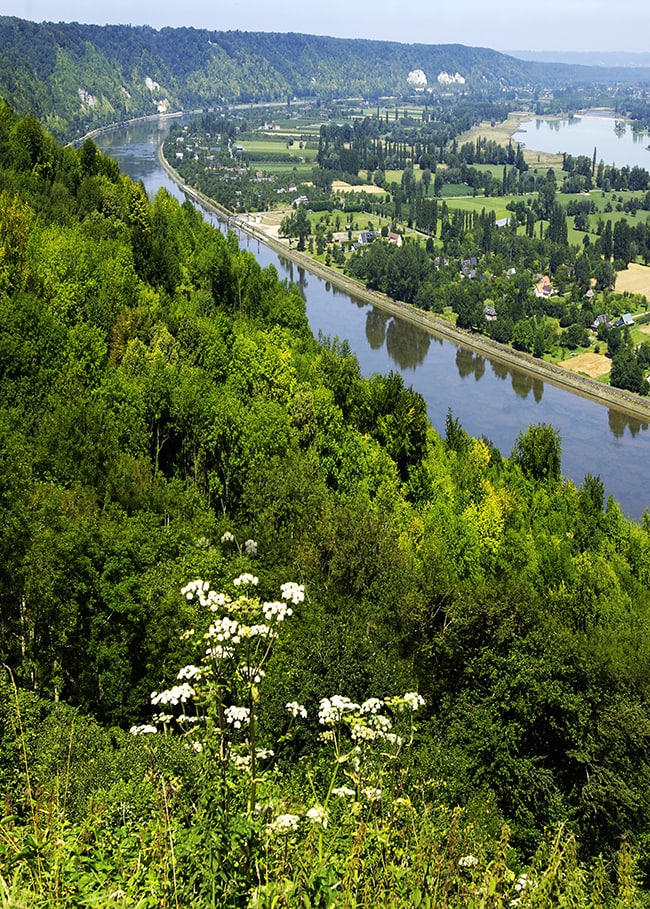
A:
488,398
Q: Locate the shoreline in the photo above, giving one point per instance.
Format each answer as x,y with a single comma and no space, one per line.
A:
618,399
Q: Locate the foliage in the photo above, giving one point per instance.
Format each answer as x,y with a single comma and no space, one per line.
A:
161,401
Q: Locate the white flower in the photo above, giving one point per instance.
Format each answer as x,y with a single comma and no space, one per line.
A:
227,537
362,733
292,591
296,709
331,710
285,823
381,723
224,629
189,672
146,729
414,700
344,792
317,815
240,761
372,705
276,610
468,861
372,794
179,694
235,716
251,547
245,579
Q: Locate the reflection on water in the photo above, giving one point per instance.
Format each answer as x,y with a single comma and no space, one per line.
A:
495,403
469,363
407,345
619,422
376,321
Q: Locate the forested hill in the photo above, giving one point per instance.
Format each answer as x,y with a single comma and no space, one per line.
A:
76,77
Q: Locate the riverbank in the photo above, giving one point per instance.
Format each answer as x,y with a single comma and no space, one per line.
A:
626,402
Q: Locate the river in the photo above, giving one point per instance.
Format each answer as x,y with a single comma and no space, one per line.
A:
488,398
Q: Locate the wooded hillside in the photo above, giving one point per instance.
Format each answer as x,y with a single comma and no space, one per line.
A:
77,77
165,416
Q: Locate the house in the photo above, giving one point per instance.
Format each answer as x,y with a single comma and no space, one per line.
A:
490,313
544,288
602,319
626,319
394,238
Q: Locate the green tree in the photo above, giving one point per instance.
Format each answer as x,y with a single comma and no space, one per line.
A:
538,451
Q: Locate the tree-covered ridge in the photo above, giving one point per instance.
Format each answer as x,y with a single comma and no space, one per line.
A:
166,415
77,77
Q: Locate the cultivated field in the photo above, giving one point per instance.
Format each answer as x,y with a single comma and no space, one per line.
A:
635,279
588,364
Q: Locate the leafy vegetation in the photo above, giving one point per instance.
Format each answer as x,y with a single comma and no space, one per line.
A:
77,77
166,415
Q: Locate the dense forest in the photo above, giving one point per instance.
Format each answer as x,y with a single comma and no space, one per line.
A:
77,77
427,683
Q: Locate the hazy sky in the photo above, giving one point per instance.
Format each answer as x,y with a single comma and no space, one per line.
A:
578,25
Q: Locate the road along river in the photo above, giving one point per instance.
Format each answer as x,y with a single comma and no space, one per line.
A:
491,394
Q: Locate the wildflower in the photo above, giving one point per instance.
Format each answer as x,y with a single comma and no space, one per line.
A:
331,710
362,733
413,700
296,709
372,705
277,611
145,729
285,823
292,591
380,723
467,861
224,629
372,794
189,672
264,754
240,761
163,718
343,792
317,815
227,537
245,579
251,547
235,716
255,631
179,694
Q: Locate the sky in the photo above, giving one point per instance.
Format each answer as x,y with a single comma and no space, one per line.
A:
563,25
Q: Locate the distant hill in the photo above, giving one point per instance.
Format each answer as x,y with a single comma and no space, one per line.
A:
76,77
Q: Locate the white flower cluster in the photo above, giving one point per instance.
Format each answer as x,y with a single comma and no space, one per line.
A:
409,701
293,592
468,861
343,792
224,629
206,597
250,547
296,709
285,823
145,729
332,710
372,705
235,716
245,579
317,815
189,672
227,537
179,694
278,611
372,794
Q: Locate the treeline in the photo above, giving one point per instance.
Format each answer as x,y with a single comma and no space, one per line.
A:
165,414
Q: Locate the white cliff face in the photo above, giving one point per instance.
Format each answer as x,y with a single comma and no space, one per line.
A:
447,79
417,77
151,84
